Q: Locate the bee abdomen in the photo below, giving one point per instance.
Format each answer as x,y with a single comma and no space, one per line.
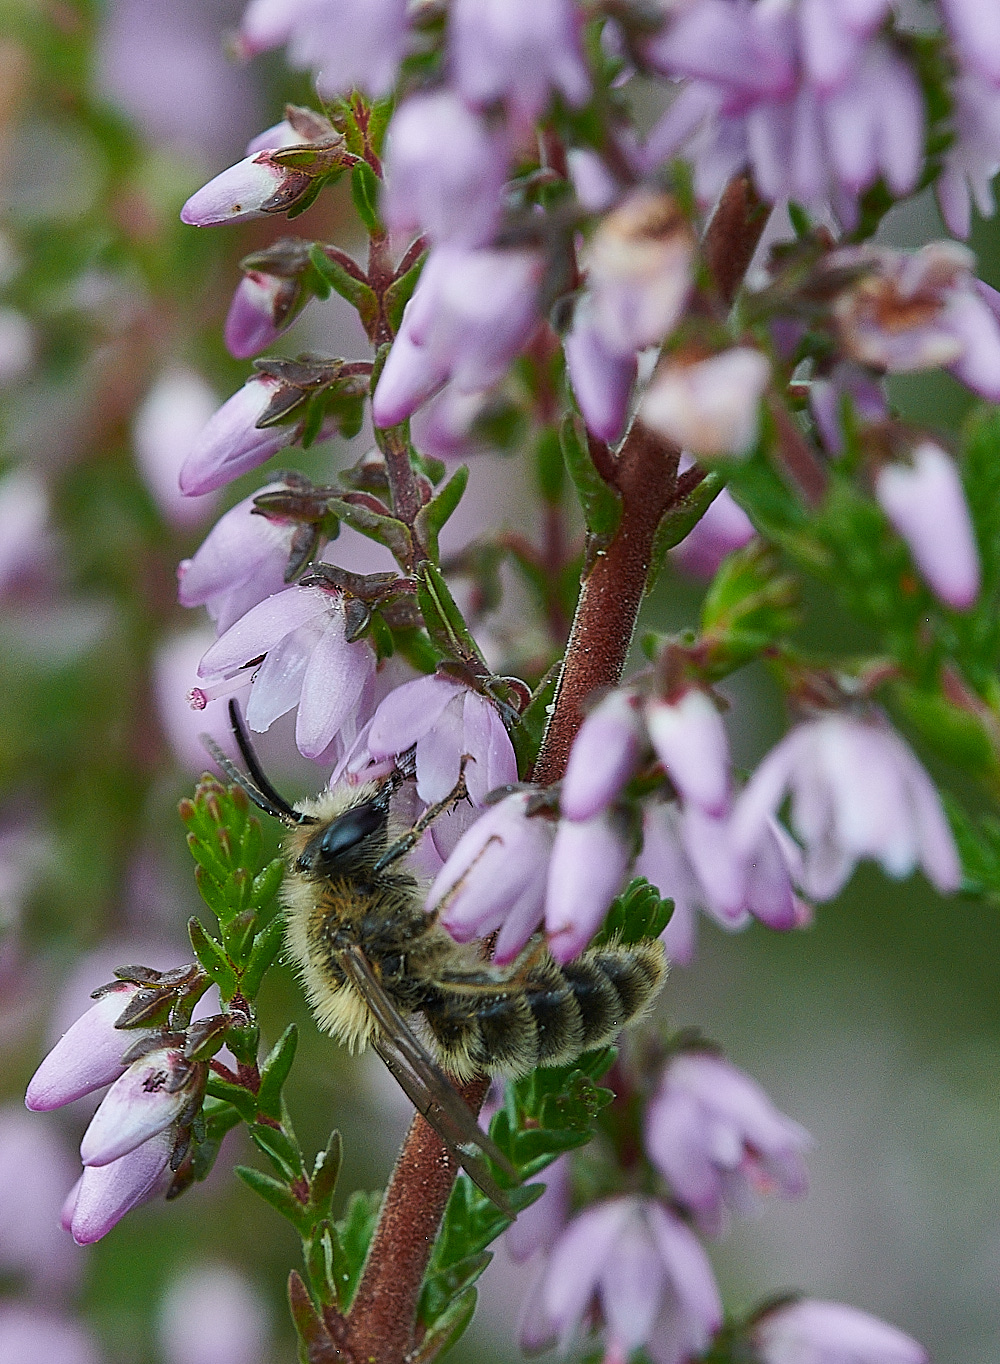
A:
613,986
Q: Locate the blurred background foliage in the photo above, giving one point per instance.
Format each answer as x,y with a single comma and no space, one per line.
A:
877,1027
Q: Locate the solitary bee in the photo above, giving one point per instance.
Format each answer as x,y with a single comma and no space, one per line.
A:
370,958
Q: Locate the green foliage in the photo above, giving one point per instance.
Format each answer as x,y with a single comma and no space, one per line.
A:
602,504
365,193
637,913
551,1111
237,885
434,514
750,605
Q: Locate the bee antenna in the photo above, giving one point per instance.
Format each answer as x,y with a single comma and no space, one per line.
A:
257,786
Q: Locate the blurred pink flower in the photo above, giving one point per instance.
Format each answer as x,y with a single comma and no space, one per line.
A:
718,1140
809,1331
167,424
37,1335
212,1315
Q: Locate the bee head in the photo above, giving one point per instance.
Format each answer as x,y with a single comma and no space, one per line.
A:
356,836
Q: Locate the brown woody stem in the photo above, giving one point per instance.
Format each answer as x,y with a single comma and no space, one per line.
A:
381,1324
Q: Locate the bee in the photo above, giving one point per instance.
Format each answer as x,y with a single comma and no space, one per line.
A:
372,962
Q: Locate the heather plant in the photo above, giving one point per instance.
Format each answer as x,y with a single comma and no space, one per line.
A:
632,260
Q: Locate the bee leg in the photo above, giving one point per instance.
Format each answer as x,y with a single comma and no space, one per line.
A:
403,845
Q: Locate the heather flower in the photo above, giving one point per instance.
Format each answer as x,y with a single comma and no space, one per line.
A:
231,443
35,1169
976,29
642,1269
604,755
923,499
241,561
718,1140
588,865
147,1099
470,314
810,1331
857,791
808,98
88,1055
496,876
690,740
919,310
105,1193
353,44
602,378
263,306
723,528
710,407
35,1335
212,1315
167,425
973,159
516,52
539,1226
24,525
639,266
455,198
250,189
444,722
446,425
826,396
309,663
692,858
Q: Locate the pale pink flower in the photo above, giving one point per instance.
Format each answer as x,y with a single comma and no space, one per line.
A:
642,1269
351,42
589,860
454,198
212,1315
231,443
517,52
240,562
718,1140
444,722
496,876
244,191
710,407
37,1335
105,1193
88,1055
808,1331
309,663
911,311
925,502
604,756
167,425
142,1103
689,737
470,314
857,791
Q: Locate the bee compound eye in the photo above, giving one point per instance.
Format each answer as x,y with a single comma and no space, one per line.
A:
342,835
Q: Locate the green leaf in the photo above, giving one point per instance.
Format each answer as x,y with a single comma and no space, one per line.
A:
237,934
680,520
266,947
266,883
278,1195
355,1230
211,892
446,1328
602,505
279,1148
241,1099
274,1072
220,1117
325,1172
358,294
365,189
635,914
526,735
206,857
320,1253
750,604
433,515
443,620
212,958
399,293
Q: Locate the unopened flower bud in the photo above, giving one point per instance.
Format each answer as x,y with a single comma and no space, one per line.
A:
925,502
88,1055
244,191
142,1103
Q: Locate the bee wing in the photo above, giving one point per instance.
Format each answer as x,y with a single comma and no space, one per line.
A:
425,1084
